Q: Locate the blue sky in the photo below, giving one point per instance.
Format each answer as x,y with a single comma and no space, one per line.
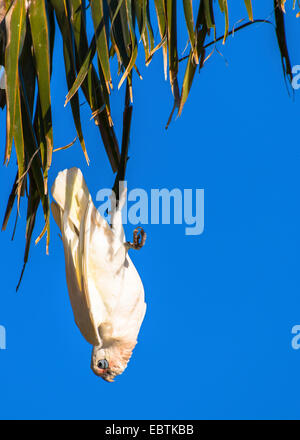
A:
216,339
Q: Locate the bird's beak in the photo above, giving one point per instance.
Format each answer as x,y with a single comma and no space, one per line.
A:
102,373
109,379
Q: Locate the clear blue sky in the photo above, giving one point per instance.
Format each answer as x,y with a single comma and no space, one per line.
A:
216,340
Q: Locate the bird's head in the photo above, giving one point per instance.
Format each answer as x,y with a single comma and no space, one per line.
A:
109,362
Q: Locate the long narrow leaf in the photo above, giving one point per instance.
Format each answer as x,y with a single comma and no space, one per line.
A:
36,165
172,41
281,38
61,11
133,43
201,26
248,4
189,19
162,26
40,38
101,40
224,8
90,83
16,29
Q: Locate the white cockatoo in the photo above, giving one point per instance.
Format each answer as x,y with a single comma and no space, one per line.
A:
106,292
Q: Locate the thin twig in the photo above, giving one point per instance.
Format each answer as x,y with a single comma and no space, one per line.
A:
127,117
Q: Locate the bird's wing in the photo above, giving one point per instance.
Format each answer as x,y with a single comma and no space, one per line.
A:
111,279
99,266
71,194
72,198
105,289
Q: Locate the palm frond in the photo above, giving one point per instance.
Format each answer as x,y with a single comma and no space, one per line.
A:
27,37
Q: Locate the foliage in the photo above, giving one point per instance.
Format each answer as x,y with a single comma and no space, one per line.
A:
27,37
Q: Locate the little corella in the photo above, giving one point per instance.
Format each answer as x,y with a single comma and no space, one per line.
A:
106,292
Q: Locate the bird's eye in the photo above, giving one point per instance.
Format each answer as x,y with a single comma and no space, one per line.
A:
103,364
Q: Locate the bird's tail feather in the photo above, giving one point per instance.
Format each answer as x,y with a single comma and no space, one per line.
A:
71,195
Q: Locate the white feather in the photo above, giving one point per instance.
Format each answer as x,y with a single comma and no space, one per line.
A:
106,292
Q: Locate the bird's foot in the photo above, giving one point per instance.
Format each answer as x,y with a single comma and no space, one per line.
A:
139,239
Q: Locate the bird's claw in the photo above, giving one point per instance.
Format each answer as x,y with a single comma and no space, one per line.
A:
139,239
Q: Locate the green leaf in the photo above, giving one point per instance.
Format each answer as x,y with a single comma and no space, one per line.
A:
39,31
82,72
248,4
32,207
149,27
26,65
101,40
51,28
90,84
189,19
61,11
134,49
140,7
19,140
127,117
10,203
16,29
202,31
209,17
162,26
119,34
224,8
172,42
35,162
281,38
